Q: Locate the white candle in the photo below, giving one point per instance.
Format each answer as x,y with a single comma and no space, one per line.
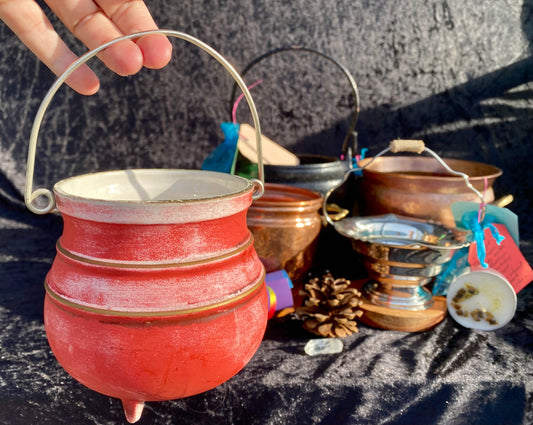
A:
481,299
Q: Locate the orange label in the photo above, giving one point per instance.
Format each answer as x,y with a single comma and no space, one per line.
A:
505,258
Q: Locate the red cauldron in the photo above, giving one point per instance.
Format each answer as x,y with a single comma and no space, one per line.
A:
156,291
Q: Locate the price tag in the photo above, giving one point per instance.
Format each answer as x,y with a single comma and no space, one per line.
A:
505,258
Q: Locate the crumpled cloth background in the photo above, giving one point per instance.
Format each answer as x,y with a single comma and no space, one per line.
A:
456,74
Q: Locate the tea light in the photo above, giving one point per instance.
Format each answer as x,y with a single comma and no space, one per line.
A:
481,299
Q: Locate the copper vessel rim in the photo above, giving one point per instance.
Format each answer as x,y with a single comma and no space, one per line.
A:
313,199
493,171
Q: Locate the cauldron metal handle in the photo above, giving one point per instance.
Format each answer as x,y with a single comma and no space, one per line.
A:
402,145
30,195
345,71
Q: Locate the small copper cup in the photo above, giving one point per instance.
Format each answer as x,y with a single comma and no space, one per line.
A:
285,224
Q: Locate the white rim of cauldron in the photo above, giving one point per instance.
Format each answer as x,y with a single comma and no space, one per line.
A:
62,192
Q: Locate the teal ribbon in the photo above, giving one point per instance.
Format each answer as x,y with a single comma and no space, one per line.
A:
470,221
222,158
452,269
356,160
460,259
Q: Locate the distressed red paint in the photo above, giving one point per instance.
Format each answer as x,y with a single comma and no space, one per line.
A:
154,298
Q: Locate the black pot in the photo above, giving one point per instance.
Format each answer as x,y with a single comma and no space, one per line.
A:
319,173
315,172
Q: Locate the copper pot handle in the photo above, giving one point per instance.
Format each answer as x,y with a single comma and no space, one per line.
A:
30,195
345,71
404,145
407,145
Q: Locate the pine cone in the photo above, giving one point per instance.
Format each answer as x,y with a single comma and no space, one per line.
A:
330,306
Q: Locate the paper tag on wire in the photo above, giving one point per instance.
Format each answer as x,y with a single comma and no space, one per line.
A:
505,258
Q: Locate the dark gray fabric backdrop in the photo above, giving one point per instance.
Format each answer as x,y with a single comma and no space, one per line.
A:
458,74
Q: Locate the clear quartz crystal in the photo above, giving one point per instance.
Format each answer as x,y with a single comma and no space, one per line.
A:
315,347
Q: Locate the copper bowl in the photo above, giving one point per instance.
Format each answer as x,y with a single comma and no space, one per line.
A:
420,187
286,224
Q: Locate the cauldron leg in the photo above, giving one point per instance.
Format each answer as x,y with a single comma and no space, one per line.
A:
133,410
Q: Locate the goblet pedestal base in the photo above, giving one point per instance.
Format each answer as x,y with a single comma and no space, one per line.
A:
404,320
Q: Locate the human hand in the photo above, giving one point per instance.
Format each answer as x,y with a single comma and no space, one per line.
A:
94,22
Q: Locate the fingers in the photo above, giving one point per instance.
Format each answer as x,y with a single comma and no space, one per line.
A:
133,16
30,24
91,25
156,49
95,23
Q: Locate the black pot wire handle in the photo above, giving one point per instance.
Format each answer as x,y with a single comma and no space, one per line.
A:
348,149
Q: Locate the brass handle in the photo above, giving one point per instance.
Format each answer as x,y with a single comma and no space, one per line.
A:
30,195
335,212
503,201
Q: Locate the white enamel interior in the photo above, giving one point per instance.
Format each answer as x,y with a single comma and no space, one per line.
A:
152,185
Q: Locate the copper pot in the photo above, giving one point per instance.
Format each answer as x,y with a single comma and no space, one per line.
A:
420,187
286,224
